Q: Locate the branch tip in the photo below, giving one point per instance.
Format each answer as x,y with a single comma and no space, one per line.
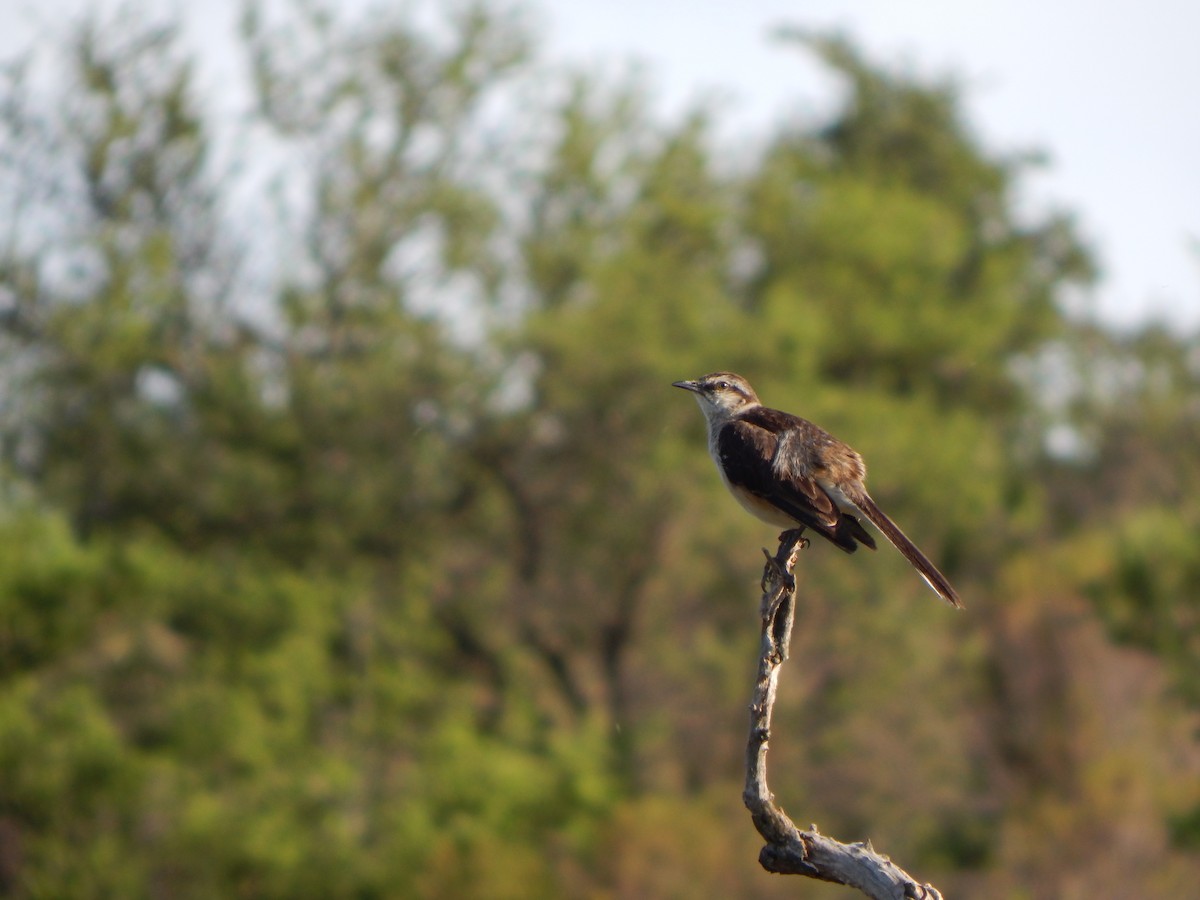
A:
788,850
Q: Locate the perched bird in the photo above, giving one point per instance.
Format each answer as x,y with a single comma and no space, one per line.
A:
788,472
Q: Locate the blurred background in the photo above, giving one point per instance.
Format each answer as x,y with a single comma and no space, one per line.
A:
354,544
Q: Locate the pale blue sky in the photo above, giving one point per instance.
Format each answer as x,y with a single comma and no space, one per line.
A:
1111,90
1108,89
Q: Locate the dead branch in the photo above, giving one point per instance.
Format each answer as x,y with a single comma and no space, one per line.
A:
790,851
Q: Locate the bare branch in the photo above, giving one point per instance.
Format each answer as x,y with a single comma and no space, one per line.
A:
790,851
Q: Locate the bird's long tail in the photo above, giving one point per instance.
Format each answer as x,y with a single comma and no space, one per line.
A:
919,560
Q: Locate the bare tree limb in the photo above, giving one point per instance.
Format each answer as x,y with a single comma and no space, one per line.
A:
790,851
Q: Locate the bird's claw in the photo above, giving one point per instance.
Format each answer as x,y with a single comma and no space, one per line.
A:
796,535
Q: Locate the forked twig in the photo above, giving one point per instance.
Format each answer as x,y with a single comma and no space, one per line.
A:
789,850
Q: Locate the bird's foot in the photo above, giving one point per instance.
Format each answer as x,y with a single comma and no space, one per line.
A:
794,535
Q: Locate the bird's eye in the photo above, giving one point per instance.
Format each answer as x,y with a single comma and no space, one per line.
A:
722,385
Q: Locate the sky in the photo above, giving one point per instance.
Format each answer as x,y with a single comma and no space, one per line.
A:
1107,89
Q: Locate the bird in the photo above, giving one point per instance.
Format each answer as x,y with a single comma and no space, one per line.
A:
786,471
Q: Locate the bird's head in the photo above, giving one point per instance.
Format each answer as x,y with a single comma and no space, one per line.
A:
721,394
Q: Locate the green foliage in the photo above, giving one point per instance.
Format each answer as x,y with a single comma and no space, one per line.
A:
355,544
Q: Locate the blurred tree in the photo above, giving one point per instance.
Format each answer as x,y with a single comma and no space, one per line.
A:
1129,477
354,544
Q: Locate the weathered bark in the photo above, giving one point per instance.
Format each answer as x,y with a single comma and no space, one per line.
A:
790,851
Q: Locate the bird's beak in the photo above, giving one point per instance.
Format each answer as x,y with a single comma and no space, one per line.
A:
687,386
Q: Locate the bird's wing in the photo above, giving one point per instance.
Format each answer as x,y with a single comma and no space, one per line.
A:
748,446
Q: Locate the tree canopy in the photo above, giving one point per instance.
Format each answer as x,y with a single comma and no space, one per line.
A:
353,543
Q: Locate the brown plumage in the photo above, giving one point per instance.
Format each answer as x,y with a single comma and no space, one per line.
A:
789,472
